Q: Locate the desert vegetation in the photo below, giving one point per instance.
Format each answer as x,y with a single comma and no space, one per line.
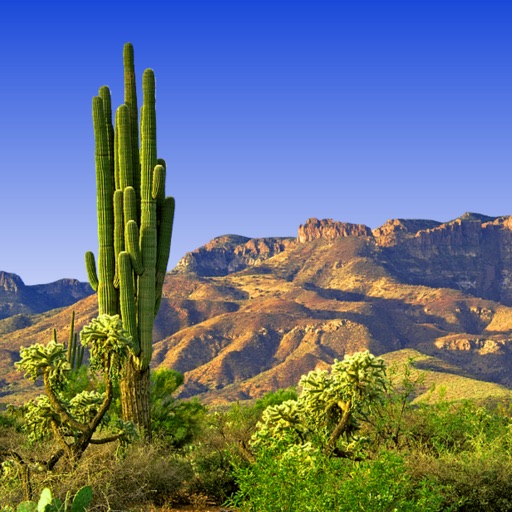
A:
351,438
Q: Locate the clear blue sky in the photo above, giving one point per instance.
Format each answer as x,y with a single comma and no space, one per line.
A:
269,112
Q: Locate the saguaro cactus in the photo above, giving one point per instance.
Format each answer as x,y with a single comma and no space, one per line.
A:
134,227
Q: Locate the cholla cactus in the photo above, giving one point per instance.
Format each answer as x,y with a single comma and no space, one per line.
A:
47,361
109,344
326,413
74,422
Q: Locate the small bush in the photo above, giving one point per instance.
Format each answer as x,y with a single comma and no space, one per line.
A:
143,475
297,483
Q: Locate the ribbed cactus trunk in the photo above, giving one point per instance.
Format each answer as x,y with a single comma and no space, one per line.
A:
134,228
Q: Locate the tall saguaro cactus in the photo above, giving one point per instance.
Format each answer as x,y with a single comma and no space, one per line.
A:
134,227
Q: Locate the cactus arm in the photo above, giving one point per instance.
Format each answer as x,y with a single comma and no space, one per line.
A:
146,302
104,94
130,99
127,299
148,224
164,247
116,155
124,147
158,187
72,353
90,265
132,246
81,352
71,327
71,339
130,205
105,191
118,229
148,134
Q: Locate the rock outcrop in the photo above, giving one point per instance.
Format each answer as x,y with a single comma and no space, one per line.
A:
471,253
230,253
329,229
10,283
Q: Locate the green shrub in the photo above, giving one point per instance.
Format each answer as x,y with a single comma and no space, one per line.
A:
469,449
221,445
296,482
177,422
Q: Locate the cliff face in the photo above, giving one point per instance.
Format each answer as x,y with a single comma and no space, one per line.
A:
230,253
10,283
472,253
329,229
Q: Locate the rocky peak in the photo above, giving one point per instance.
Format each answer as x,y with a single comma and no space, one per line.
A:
397,227
10,282
329,229
469,216
230,253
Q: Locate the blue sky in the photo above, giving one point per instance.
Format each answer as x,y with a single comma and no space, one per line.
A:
269,112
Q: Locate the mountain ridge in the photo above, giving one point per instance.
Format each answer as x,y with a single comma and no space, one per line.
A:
244,316
17,298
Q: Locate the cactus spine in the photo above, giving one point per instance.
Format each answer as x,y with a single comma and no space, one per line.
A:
134,226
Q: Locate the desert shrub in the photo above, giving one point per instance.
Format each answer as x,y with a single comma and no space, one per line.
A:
471,482
454,427
148,474
276,397
145,474
467,448
390,423
298,482
175,421
223,443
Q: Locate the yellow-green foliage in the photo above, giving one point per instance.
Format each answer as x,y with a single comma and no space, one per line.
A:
74,421
326,413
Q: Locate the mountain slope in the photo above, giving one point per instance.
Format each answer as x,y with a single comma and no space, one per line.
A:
237,330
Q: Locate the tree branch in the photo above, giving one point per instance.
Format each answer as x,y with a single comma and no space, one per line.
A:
59,407
340,428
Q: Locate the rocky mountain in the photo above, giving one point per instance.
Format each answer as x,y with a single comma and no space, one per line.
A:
472,253
231,253
242,316
16,298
